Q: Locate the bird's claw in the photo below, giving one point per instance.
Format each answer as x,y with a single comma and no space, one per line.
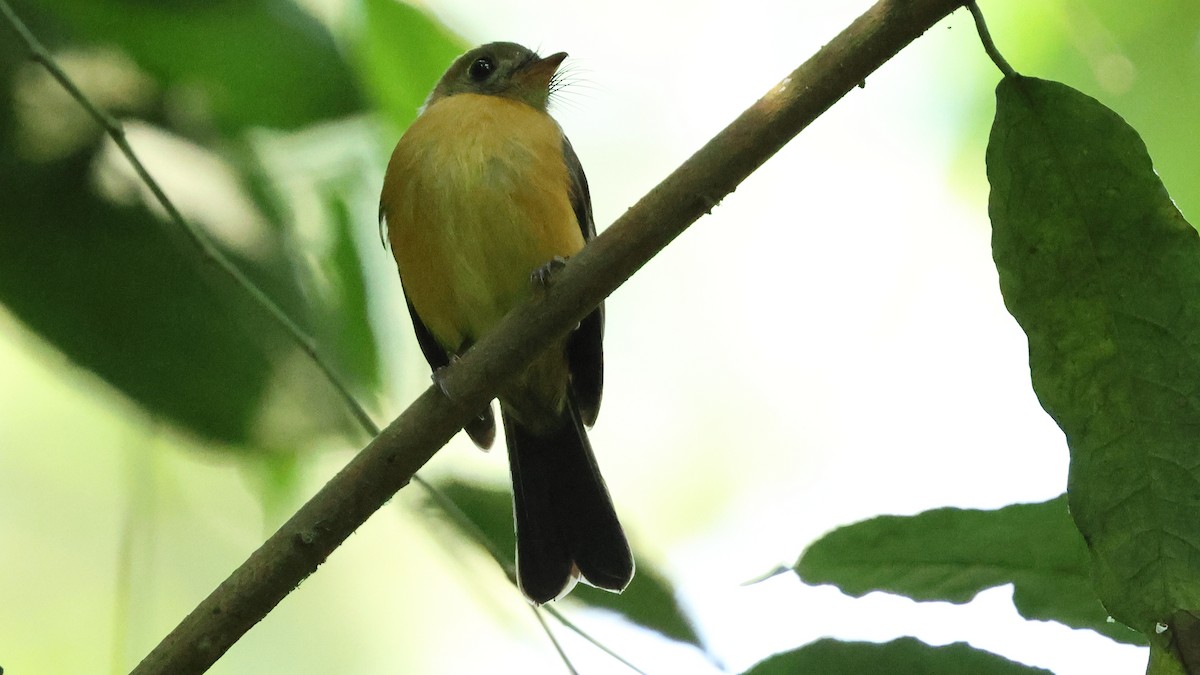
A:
543,277
439,378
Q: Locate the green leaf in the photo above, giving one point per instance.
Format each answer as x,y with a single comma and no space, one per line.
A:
953,554
402,54
342,324
123,294
245,62
906,656
1103,274
649,601
110,289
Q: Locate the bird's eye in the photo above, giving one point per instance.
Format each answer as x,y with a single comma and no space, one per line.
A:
481,69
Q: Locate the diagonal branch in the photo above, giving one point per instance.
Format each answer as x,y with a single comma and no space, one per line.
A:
391,459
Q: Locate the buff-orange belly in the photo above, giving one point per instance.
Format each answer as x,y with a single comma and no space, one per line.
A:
475,199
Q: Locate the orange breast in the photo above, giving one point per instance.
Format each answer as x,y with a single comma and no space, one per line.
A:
476,198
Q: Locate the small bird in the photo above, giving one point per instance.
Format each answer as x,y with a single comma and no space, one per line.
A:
483,196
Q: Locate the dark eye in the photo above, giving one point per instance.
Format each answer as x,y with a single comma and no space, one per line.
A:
481,69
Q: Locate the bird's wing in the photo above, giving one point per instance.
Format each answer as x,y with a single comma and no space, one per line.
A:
585,349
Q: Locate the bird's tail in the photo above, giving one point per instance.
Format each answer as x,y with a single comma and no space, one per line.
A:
566,524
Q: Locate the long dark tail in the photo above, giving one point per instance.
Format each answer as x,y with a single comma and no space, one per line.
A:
566,524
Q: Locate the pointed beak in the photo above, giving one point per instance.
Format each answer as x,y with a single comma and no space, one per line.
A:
540,71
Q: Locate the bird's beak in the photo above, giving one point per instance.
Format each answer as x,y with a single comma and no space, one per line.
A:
540,71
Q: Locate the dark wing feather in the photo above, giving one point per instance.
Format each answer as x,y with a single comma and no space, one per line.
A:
581,198
434,354
585,349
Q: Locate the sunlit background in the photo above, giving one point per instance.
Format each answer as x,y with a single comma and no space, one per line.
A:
829,345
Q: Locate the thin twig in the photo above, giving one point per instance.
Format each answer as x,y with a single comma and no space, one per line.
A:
473,530
460,518
988,45
391,459
586,636
40,55
558,647
116,131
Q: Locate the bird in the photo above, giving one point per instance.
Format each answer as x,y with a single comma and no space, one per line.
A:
482,199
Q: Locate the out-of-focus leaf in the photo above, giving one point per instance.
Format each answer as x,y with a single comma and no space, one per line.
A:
110,288
649,601
402,53
276,477
346,325
246,62
1103,274
906,656
122,294
953,554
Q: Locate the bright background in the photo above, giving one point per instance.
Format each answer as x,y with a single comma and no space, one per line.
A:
830,344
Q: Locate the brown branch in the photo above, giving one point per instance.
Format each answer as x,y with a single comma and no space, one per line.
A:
389,461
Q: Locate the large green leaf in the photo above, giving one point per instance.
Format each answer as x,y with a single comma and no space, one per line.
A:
244,62
1103,274
906,656
953,554
112,290
649,601
402,53
123,294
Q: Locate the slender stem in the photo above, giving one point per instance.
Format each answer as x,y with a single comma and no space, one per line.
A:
475,532
586,636
988,45
39,54
447,505
557,646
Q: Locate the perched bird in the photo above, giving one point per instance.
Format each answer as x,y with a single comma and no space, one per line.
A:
482,194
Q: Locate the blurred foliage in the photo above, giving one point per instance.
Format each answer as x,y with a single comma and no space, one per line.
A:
124,293
402,53
905,656
231,63
1103,274
952,554
649,601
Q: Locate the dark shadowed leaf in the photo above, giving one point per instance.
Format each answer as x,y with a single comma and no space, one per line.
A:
1103,274
906,656
953,554
124,295
110,288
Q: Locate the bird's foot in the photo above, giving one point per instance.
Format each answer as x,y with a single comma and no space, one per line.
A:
439,379
543,277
